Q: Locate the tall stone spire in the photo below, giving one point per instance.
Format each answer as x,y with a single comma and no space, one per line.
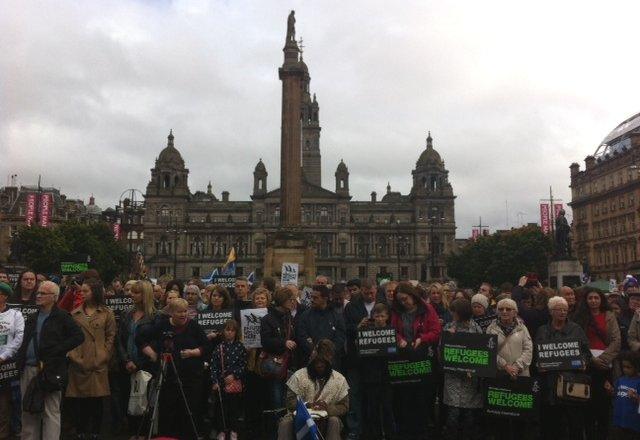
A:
292,74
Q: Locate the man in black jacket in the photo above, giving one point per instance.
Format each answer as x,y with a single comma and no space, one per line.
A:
356,313
48,336
320,322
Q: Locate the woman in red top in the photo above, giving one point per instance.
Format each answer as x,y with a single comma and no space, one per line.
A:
418,331
601,327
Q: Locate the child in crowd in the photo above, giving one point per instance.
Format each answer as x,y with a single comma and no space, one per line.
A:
626,398
228,365
376,390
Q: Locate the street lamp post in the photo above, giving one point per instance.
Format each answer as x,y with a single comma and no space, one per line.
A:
175,230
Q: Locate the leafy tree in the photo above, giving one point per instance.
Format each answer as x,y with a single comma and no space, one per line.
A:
44,249
503,256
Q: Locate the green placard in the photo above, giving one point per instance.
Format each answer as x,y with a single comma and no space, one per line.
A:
73,268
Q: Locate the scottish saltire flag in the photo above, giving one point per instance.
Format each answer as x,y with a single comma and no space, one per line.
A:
229,267
305,427
251,278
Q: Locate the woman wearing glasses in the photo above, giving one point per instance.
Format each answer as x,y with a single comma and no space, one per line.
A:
515,352
557,414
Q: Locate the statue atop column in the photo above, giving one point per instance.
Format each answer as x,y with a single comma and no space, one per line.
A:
291,27
562,235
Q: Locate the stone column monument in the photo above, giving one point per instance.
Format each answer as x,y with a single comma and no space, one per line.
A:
289,244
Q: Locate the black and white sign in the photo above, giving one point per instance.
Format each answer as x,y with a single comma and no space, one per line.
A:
250,325
227,281
376,341
505,397
8,373
473,353
26,309
484,321
119,305
289,274
214,321
560,355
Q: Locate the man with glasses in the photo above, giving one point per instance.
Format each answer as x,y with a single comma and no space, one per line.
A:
49,335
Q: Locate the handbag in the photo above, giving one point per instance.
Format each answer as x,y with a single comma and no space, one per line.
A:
274,367
235,387
33,399
573,387
138,400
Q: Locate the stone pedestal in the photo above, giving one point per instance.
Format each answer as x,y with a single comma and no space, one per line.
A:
564,273
290,247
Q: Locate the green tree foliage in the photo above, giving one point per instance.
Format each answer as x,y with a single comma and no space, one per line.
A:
43,249
500,257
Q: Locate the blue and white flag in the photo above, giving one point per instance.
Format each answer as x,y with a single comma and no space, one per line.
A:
251,278
305,427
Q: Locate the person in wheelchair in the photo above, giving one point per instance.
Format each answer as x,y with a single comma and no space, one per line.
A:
324,391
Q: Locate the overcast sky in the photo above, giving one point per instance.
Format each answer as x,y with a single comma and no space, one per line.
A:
513,92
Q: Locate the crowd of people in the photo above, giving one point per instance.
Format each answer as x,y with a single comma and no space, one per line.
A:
74,356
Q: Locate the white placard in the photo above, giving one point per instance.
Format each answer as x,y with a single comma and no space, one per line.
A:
289,274
250,326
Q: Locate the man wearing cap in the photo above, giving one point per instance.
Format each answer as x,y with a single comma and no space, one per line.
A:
49,335
11,332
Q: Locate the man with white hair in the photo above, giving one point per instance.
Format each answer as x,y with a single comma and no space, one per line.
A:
49,335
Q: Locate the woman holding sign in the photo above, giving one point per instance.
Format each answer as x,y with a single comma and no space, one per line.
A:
11,334
417,327
555,341
601,327
515,352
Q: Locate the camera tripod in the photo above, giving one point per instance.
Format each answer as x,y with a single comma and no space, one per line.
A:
165,359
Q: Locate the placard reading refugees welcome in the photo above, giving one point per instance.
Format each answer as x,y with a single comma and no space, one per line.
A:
8,373
560,355
410,367
473,353
119,305
377,341
26,309
214,321
506,397
250,327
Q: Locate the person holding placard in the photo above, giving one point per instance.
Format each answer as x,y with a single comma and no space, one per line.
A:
132,360
601,327
557,412
462,391
515,353
11,334
417,328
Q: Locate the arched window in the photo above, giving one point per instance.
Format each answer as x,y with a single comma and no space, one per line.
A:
424,182
382,247
166,182
197,246
176,180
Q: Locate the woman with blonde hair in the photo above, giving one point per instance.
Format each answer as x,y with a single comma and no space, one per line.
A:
142,314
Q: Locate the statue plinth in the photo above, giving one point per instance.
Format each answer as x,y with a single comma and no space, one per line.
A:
291,245
565,272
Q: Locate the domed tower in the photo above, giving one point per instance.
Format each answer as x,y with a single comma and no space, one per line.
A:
260,179
342,179
430,176
169,177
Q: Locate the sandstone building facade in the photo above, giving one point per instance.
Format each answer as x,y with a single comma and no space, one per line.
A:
405,235
605,200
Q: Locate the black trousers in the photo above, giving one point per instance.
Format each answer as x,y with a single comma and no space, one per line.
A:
378,422
562,421
228,416
409,410
88,414
598,407
174,418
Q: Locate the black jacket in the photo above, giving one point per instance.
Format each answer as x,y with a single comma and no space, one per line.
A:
354,312
273,331
60,335
142,362
315,325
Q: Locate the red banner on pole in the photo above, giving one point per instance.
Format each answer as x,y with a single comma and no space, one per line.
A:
116,231
545,221
475,233
556,209
45,210
30,215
